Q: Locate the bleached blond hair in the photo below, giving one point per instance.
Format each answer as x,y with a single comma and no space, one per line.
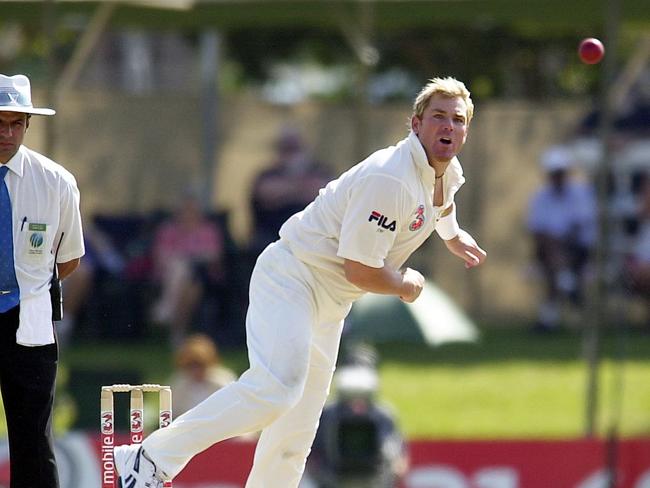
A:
446,87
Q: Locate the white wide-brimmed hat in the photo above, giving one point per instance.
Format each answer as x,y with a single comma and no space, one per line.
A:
16,96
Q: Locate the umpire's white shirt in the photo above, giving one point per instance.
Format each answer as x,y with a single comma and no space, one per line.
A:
45,204
376,213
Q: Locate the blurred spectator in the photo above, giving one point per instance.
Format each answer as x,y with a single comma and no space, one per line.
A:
638,261
562,222
290,183
101,258
199,372
188,252
358,443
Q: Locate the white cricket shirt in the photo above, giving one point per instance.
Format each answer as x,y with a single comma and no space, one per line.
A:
45,204
376,213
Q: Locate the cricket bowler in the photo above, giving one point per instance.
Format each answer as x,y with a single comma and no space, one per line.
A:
354,238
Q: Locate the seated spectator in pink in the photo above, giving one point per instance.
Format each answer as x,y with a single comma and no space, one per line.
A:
187,256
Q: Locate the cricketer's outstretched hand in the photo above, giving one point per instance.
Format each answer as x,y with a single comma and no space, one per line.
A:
465,247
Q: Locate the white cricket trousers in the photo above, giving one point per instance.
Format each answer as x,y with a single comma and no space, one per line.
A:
293,332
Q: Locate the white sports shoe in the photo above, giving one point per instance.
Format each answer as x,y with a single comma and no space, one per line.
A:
134,468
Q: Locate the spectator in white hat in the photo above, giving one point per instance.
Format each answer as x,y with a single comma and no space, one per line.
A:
40,232
562,222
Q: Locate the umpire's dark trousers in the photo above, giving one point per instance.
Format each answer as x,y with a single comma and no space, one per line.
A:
27,378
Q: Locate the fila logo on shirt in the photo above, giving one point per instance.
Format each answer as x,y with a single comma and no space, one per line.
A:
382,221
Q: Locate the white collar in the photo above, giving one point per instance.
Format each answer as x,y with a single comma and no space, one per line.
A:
16,163
454,172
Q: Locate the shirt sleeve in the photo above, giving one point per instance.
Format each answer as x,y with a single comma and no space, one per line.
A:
447,227
70,228
373,216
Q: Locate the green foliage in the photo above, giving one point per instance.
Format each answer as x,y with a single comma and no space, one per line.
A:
499,48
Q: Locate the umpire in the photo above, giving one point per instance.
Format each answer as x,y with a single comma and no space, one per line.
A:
40,223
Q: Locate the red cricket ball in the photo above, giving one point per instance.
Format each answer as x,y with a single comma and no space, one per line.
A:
591,50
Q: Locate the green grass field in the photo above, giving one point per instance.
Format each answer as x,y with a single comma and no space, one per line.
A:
510,384
513,384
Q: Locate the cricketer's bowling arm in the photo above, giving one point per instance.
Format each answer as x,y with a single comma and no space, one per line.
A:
406,284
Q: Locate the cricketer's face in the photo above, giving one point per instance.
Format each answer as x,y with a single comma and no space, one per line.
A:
12,132
442,128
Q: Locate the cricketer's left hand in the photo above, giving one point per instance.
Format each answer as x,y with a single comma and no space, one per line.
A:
465,247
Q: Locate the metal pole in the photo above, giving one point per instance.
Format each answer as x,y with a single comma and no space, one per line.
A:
367,59
84,47
49,27
359,34
210,44
598,308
